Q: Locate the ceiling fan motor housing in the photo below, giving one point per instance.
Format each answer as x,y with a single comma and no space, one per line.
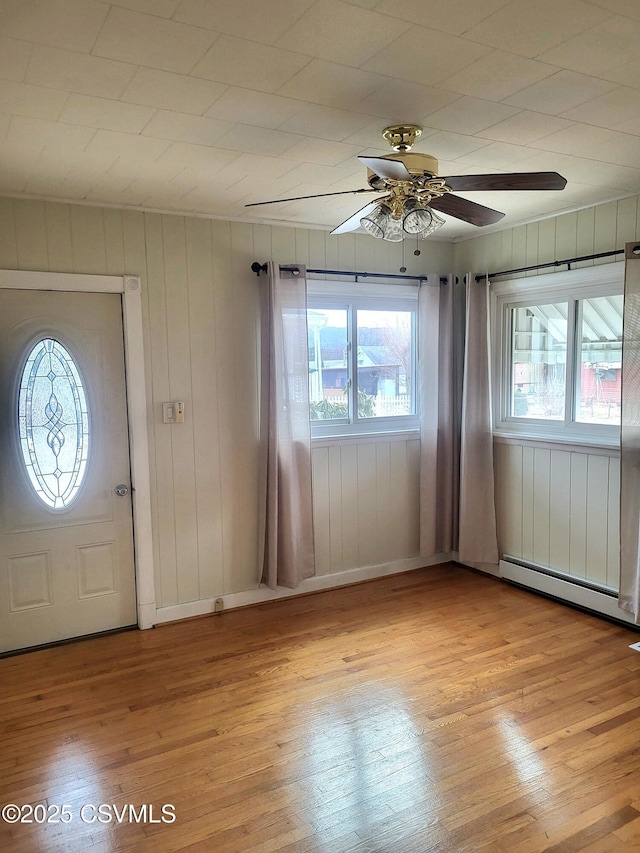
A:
417,165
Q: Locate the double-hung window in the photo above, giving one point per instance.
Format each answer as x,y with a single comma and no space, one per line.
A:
362,359
560,353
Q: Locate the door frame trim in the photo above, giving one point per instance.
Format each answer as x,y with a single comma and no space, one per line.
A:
130,288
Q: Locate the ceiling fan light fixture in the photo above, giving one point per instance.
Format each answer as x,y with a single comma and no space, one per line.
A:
381,223
419,219
393,232
374,223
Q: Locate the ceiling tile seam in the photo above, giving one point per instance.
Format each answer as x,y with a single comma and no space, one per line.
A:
435,28
99,33
364,11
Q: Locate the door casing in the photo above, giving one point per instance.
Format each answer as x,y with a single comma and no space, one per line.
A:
131,290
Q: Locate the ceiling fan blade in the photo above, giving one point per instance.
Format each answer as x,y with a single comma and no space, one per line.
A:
468,211
303,197
392,170
353,222
511,181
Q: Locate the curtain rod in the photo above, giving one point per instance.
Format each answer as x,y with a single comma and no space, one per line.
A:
568,261
257,268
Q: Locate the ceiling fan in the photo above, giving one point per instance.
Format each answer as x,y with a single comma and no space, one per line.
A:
414,191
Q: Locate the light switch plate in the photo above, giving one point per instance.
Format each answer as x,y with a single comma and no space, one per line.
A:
168,413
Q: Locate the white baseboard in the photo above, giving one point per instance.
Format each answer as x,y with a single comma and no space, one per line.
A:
590,599
321,582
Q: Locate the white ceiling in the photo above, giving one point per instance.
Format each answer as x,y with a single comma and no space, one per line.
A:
200,106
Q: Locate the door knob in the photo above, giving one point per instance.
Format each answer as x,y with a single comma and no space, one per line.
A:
121,490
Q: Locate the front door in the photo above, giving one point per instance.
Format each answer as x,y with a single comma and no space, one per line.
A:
66,532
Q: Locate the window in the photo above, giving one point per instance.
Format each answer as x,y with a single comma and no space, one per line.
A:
362,362
560,356
53,423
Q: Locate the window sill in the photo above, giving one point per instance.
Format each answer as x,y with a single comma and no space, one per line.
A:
590,442
373,437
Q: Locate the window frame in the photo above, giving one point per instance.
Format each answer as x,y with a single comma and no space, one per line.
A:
354,296
571,287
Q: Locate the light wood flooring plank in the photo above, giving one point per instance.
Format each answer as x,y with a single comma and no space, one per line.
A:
439,710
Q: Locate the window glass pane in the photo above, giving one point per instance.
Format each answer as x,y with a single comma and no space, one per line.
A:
328,363
53,423
600,337
538,359
384,358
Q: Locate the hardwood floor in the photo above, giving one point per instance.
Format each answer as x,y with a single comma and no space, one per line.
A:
434,711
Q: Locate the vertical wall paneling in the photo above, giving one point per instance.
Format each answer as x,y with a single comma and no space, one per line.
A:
114,242
508,516
528,482
586,235
349,481
576,489
566,236
321,509
518,245
204,396
346,252
8,238
87,238
559,509
613,525
547,240
626,216
413,498
596,518
58,230
244,310
163,506
283,246
532,245
541,514
569,512
578,526
383,478
604,229
302,246
317,250
31,235
368,554
223,334
200,304
336,517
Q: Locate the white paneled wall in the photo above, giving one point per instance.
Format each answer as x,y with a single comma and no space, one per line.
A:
366,501
558,507
201,342
584,232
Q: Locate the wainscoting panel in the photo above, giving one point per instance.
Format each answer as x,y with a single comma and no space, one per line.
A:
366,502
558,508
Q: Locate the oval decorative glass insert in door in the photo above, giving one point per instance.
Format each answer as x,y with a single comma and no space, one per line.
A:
53,419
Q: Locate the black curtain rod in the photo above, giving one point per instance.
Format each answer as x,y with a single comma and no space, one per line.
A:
257,268
568,261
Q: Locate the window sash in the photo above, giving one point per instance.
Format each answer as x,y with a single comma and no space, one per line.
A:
572,288
355,424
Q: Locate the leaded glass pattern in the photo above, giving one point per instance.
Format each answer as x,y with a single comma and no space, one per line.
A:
53,419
